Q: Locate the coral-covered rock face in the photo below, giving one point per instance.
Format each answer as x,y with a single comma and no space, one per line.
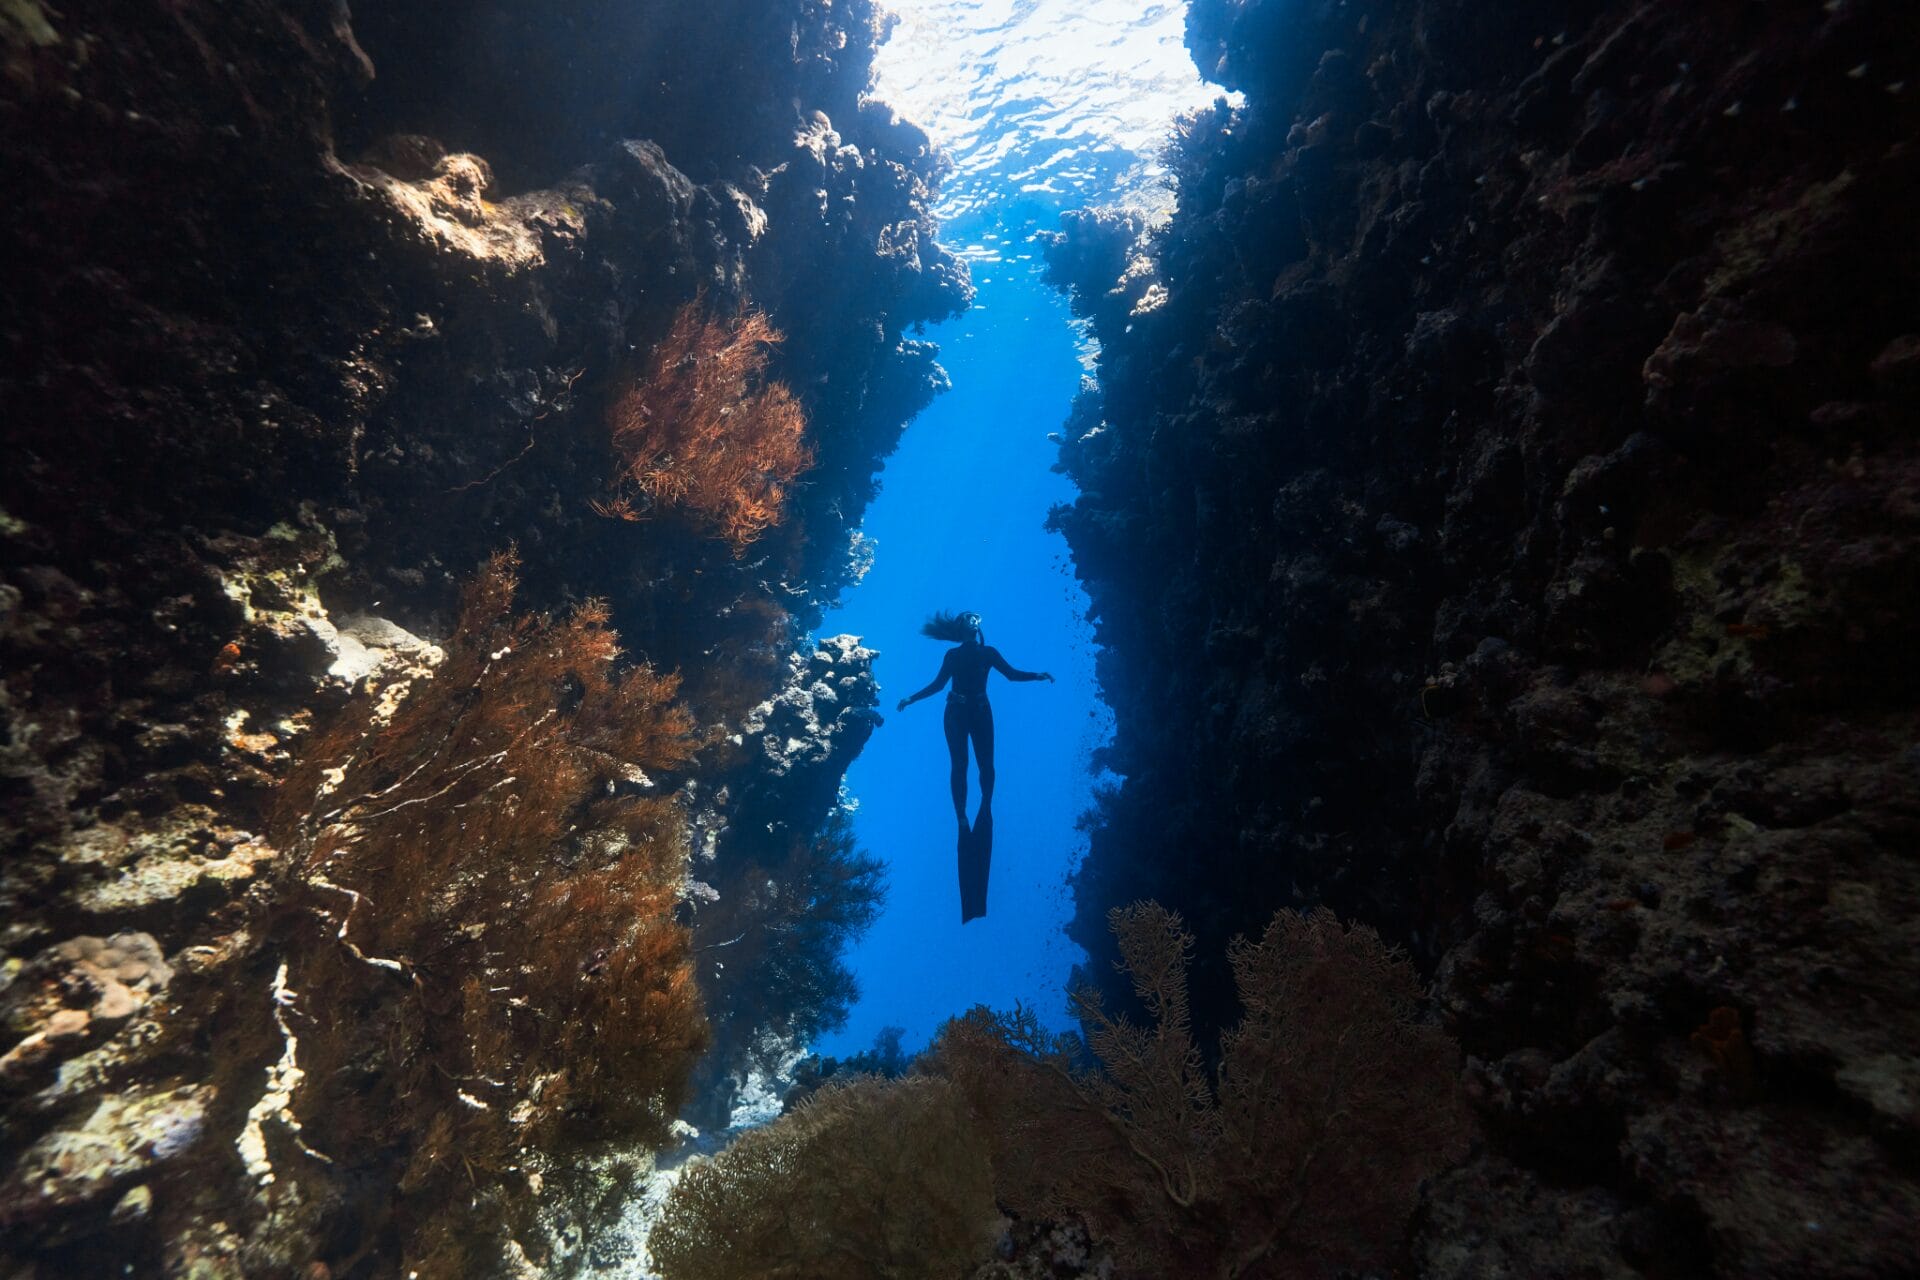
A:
1502,530
810,731
127,1136
74,995
770,946
309,313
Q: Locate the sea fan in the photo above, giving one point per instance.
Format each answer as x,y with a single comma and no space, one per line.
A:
1300,1155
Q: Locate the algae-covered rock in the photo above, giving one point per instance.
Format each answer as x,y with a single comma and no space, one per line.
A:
25,22
75,994
86,1165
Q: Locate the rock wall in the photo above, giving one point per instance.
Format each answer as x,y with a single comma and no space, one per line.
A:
308,312
1499,516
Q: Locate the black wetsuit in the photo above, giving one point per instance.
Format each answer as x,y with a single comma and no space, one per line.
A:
970,715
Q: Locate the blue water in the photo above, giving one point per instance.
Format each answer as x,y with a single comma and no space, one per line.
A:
1044,105
959,526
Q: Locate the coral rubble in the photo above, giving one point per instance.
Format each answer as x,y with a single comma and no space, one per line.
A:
1498,517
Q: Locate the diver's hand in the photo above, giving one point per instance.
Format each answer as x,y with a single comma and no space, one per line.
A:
905,703
1047,676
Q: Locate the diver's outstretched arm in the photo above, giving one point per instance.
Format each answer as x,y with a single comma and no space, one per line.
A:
939,682
1014,673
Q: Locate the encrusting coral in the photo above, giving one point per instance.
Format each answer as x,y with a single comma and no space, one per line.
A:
702,429
1302,1154
488,871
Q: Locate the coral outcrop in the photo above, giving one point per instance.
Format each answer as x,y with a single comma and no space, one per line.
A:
768,949
1498,516
310,313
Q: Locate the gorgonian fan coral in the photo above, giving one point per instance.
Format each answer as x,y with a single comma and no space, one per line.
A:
486,871
1300,1155
701,429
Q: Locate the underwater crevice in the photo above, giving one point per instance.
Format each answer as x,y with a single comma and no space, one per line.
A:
1484,505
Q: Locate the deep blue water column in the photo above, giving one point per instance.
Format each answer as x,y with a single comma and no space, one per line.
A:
959,524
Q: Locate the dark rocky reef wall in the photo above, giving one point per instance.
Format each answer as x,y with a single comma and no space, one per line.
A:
1499,512
308,312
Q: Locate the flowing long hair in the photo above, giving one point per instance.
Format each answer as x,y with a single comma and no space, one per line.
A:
943,625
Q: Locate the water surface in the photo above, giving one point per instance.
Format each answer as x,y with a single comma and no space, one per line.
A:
1044,105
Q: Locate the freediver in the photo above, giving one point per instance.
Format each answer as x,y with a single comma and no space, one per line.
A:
969,715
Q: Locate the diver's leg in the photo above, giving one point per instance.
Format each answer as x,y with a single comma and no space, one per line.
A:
983,752
955,723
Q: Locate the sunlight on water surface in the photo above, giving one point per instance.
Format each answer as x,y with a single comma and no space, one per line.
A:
1043,105
1065,100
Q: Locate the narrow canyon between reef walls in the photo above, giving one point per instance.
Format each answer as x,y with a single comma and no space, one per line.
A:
507,507
960,523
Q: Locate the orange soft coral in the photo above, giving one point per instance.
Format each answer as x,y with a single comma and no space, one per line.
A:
702,430
488,874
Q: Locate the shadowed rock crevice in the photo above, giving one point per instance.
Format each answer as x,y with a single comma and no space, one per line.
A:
1494,513
540,88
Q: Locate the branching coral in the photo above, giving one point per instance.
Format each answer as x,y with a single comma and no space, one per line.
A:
1301,1155
703,430
872,1178
490,877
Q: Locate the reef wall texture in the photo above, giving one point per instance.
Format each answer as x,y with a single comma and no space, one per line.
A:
1501,513
309,312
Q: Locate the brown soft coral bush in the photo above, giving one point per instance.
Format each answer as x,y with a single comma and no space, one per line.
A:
701,429
1301,1155
487,875
873,1178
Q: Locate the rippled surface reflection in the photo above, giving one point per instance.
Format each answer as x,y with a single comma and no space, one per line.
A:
1044,105
1063,101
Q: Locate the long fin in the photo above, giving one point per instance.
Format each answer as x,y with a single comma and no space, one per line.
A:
976,859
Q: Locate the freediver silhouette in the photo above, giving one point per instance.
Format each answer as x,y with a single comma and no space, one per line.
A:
969,715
